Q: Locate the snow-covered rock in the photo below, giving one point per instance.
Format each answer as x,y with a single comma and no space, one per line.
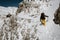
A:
28,26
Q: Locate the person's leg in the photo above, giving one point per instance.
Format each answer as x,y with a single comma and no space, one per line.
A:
43,22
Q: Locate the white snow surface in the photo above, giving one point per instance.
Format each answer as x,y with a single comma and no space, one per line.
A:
49,32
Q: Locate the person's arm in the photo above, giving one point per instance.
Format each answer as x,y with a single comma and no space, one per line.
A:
46,16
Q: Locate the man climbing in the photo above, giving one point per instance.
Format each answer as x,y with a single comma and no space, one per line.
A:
43,19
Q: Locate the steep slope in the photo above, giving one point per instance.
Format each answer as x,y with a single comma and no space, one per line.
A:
28,23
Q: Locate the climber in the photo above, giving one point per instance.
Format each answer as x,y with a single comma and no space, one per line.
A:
43,19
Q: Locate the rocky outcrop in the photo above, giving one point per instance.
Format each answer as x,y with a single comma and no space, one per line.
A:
20,8
57,16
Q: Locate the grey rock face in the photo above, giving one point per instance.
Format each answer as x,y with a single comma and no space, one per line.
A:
57,16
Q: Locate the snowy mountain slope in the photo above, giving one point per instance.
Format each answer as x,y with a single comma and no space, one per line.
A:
28,23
